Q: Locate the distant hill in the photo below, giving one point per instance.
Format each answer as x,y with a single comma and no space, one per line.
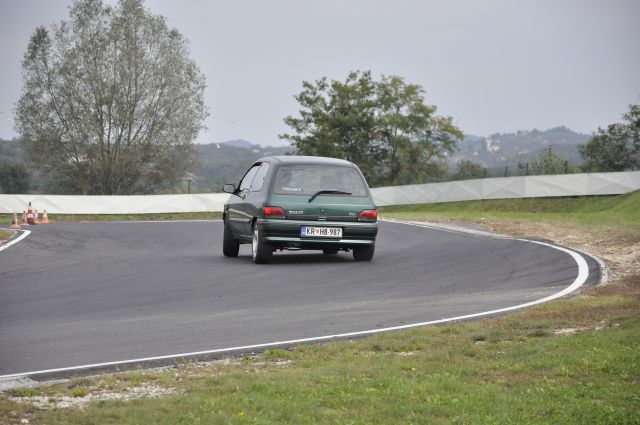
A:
238,143
226,162
501,149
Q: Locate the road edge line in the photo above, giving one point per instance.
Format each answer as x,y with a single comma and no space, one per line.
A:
15,240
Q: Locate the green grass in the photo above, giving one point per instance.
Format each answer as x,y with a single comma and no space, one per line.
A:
618,211
509,370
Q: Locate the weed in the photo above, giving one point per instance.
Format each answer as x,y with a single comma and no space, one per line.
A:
24,392
79,392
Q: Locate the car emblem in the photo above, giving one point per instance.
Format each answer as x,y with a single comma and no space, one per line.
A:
322,210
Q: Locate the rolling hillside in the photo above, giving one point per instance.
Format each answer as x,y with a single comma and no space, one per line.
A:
500,149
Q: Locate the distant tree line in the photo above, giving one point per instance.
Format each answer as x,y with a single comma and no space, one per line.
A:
546,162
616,148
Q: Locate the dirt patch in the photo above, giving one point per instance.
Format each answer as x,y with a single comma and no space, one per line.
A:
627,286
569,331
146,390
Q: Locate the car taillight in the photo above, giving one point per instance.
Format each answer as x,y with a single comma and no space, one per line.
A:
273,212
368,215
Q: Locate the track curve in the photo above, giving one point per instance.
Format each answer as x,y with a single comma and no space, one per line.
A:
85,293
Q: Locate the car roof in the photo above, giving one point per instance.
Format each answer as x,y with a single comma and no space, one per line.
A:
299,159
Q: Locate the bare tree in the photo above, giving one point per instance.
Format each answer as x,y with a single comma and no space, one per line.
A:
111,101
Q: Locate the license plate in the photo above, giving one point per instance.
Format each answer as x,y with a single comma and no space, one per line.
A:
321,232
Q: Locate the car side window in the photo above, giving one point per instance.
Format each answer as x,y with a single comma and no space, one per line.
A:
258,180
245,184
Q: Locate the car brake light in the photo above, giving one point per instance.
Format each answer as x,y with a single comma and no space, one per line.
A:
274,212
368,215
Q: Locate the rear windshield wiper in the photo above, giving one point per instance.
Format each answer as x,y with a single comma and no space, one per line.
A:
322,192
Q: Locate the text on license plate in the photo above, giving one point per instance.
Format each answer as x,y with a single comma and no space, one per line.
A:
321,232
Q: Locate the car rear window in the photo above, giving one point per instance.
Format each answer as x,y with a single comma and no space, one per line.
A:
307,179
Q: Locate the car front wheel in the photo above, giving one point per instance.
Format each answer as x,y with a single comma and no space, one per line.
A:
261,251
363,253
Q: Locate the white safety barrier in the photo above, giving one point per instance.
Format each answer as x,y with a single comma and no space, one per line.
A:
463,190
510,187
131,204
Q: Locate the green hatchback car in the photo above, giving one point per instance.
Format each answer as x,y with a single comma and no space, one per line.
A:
300,202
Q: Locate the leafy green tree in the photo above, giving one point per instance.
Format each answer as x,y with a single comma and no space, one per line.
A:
111,100
616,148
14,178
337,119
383,126
466,170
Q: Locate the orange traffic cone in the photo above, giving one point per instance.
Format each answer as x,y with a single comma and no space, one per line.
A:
45,217
35,216
14,222
24,219
30,214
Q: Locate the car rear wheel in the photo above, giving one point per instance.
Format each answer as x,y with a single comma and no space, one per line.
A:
363,253
230,246
261,251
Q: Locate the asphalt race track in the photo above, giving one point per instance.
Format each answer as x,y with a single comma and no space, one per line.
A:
83,293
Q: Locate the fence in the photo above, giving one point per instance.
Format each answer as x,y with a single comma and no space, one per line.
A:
461,190
510,187
132,204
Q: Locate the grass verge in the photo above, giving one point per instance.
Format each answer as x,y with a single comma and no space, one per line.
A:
567,362
622,211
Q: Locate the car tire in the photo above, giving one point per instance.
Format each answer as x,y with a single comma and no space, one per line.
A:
329,251
363,253
230,246
261,251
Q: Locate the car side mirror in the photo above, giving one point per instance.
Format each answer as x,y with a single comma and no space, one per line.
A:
229,188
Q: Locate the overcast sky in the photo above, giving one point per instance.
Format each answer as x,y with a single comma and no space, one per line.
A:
495,66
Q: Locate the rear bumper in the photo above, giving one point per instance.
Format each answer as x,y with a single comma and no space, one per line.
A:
286,233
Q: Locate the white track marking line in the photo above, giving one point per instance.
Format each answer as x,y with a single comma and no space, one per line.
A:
583,274
24,234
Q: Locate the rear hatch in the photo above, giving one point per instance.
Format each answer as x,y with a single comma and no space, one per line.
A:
322,208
